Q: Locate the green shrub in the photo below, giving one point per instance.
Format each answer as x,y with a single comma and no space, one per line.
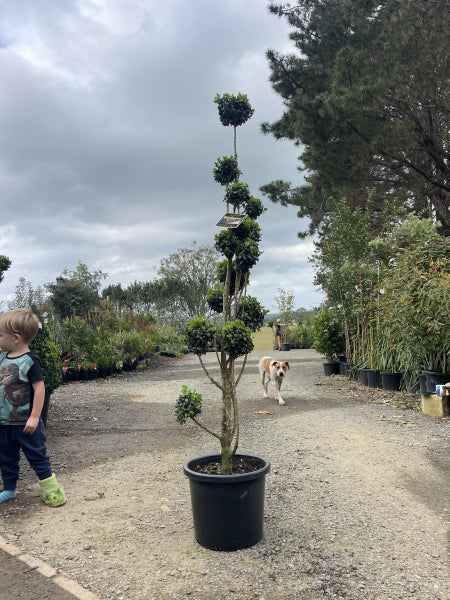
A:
300,336
45,349
328,335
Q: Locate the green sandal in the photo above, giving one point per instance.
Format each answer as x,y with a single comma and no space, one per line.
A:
52,493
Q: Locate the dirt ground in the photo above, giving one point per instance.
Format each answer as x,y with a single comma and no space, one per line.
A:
356,500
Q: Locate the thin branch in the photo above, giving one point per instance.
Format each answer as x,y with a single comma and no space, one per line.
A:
205,428
242,370
212,380
236,422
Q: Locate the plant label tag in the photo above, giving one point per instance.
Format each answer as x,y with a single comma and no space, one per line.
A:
230,221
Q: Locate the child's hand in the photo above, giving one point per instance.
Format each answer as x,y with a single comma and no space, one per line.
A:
31,425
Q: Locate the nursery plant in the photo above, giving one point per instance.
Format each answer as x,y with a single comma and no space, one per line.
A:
285,304
45,349
238,315
327,334
414,309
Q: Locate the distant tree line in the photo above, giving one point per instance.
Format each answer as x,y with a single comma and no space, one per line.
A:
177,294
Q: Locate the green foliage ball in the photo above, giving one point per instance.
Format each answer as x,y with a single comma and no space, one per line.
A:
214,299
252,313
226,170
188,405
237,194
233,110
200,336
236,339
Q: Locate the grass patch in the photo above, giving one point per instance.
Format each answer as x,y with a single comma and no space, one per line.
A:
264,339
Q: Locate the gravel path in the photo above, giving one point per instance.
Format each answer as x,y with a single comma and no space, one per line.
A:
356,500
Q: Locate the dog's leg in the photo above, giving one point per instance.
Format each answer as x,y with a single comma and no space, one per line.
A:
276,386
264,384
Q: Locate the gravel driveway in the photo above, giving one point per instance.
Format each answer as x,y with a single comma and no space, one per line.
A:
357,500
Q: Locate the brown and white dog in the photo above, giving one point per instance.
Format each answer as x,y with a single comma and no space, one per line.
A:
275,371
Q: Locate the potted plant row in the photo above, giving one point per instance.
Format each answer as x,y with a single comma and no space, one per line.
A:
227,488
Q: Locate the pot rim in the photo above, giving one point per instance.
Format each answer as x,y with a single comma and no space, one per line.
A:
236,477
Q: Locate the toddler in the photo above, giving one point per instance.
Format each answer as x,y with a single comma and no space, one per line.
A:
22,393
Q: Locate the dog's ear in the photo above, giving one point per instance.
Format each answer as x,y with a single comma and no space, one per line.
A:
287,364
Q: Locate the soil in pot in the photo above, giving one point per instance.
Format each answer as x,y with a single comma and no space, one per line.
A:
228,510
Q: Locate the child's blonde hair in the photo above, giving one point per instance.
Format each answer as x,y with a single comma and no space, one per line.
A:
21,321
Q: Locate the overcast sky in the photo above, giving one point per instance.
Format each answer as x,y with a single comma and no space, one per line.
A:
109,134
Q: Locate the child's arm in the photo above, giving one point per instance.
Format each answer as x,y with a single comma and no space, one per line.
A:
38,403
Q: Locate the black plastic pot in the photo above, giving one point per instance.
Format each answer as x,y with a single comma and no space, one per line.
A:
423,384
362,376
352,372
228,510
331,368
411,383
285,347
434,378
391,381
344,368
373,378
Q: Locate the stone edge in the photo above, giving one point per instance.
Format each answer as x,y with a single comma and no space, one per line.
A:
58,577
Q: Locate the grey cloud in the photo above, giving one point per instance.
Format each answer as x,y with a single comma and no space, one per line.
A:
110,134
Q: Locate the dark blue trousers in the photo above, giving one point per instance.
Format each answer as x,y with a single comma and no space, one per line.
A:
12,439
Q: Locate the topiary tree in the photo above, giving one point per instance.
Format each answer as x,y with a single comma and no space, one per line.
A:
230,336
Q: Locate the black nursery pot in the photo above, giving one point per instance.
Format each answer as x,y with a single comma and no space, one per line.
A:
344,368
411,383
331,368
391,381
228,510
434,378
362,376
373,378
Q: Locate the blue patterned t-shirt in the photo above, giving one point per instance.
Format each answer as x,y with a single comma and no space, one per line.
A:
16,392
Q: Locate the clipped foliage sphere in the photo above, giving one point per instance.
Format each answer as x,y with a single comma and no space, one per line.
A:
248,230
226,170
237,194
226,243
236,339
214,299
254,208
252,313
233,110
248,256
188,405
199,335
